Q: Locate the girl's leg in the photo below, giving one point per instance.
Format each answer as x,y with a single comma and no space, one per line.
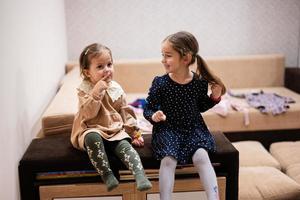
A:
132,160
207,174
95,149
166,177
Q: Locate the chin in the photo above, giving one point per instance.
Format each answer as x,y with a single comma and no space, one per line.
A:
167,69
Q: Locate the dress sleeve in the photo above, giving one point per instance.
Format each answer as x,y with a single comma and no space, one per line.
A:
128,116
152,101
205,101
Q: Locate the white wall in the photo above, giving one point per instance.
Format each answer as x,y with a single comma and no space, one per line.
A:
135,28
33,52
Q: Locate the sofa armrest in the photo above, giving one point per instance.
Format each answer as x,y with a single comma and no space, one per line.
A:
292,78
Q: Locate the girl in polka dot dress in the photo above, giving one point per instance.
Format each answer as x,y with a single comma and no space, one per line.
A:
174,105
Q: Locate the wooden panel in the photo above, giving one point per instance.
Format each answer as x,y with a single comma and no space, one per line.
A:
92,198
181,195
184,185
125,190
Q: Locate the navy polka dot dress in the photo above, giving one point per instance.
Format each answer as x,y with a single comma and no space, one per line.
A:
184,130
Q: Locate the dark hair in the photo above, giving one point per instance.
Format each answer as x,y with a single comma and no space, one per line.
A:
88,53
184,43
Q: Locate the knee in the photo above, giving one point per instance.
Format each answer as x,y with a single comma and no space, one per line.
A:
168,162
91,138
200,157
123,145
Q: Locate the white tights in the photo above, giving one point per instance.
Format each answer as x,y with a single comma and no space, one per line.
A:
204,168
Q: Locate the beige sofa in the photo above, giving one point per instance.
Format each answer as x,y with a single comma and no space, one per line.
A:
239,73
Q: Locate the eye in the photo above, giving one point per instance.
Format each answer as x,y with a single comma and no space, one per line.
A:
100,67
165,55
109,64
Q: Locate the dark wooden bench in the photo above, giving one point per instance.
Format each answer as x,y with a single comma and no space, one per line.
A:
56,154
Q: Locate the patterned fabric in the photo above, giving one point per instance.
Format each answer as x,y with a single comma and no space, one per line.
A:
96,152
184,130
129,157
269,102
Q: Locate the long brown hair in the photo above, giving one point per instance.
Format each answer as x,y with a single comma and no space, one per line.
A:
88,53
184,43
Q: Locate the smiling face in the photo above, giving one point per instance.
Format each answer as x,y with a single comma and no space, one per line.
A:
171,59
100,67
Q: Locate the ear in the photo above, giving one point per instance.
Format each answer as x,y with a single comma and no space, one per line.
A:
187,58
86,72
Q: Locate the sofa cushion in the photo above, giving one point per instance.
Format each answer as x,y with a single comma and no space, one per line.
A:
293,171
243,71
266,183
234,121
287,153
59,115
235,71
252,153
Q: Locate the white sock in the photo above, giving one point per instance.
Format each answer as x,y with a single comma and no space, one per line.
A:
166,177
207,174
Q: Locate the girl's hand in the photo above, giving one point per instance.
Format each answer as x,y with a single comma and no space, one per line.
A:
139,142
101,85
138,139
216,91
158,116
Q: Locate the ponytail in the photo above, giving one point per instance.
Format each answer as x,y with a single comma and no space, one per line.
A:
203,71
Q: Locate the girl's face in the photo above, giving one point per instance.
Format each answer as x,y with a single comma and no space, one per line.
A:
100,67
170,58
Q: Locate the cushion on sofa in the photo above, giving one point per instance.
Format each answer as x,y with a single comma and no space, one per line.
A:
287,153
253,153
293,171
266,183
234,121
59,115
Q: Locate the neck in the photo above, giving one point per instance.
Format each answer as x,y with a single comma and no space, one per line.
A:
182,77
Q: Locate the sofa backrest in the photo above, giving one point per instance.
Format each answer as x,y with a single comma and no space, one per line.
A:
235,71
248,71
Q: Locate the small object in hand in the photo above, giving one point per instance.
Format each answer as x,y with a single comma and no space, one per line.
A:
137,134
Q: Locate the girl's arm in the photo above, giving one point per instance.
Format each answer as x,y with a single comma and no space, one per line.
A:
207,102
130,123
128,116
152,101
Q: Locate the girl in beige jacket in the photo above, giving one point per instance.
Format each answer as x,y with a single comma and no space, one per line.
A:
104,120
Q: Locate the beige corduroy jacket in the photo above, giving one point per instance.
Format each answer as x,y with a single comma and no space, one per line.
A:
113,120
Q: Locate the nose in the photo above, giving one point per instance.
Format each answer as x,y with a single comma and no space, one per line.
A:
106,69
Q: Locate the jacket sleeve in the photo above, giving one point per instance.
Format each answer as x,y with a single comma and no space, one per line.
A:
153,100
128,116
89,104
205,101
